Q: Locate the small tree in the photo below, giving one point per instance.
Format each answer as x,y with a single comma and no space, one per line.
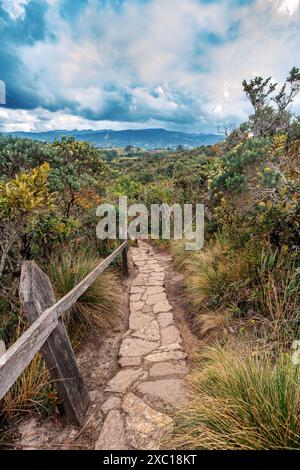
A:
75,166
267,118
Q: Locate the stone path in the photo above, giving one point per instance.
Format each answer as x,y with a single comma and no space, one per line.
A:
151,379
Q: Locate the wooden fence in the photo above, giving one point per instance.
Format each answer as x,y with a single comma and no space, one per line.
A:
47,334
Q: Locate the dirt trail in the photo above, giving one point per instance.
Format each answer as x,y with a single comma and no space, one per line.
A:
152,357
136,373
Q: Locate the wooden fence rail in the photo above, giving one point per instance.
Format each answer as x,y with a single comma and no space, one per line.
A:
47,333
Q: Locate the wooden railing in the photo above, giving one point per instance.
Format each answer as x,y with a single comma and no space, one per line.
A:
47,334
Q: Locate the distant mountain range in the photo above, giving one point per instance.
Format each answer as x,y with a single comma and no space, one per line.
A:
143,138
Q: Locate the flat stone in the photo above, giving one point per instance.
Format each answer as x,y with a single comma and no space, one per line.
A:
165,319
155,282
145,426
154,290
169,368
166,355
112,403
136,347
170,335
130,361
156,299
139,263
123,380
160,269
136,290
150,332
157,276
139,281
135,297
171,391
138,320
136,306
146,269
147,309
162,307
112,435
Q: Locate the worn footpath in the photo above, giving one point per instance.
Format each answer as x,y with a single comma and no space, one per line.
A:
151,380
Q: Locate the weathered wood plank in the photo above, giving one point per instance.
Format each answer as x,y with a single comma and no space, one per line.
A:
37,295
2,347
21,353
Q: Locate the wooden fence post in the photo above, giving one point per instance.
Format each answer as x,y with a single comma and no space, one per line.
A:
36,294
2,347
125,260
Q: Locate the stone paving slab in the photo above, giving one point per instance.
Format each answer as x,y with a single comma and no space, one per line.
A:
112,435
169,368
123,380
171,391
152,360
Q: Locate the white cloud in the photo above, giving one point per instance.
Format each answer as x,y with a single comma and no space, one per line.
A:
284,7
151,61
15,8
41,120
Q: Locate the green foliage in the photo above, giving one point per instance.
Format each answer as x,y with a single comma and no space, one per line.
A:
23,200
228,171
158,193
261,92
19,155
26,193
126,186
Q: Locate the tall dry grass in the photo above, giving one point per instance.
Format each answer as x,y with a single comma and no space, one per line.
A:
96,306
240,400
33,392
215,279
278,292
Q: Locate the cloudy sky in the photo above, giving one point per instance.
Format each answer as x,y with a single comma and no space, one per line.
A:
119,64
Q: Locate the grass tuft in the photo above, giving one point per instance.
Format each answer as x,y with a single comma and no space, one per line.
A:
240,400
96,306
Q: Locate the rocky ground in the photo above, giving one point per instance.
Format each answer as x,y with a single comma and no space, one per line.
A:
153,363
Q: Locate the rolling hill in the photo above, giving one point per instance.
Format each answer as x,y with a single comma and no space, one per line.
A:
143,138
